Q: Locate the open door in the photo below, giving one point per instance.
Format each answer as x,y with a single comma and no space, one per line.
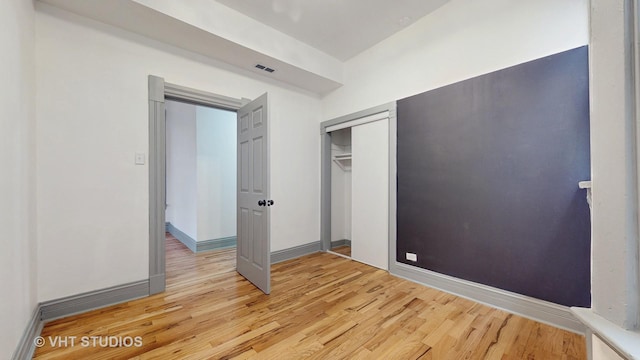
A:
253,260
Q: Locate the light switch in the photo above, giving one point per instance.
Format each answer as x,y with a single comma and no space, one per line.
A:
139,158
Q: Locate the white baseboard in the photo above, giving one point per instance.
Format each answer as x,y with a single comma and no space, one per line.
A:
525,306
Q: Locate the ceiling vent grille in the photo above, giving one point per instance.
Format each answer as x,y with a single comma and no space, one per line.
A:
265,68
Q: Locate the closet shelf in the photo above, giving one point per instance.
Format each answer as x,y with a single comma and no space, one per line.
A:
344,161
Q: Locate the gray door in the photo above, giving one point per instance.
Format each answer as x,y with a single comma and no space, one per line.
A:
253,260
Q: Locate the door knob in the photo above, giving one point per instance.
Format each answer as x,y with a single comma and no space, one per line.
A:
269,202
262,202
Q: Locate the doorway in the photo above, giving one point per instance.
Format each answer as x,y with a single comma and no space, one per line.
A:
252,144
201,166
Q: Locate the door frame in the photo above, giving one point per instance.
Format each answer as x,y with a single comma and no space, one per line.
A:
325,173
159,90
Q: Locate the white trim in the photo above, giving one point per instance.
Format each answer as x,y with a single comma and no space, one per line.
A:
584,184
624,342
359,121
525,306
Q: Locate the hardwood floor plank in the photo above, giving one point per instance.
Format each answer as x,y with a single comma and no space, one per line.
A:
322,306
343,249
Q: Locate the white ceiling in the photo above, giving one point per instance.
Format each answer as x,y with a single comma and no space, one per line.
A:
340,28
306,41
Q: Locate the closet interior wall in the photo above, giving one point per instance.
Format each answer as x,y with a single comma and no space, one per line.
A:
341,187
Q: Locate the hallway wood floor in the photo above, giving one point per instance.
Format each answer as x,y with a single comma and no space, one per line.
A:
322,306
344,250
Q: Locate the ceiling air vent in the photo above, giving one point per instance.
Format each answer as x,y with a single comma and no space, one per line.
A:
267,69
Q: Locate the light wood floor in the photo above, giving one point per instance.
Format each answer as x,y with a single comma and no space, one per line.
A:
343,249
321,307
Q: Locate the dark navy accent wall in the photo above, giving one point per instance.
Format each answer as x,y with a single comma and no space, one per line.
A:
488,172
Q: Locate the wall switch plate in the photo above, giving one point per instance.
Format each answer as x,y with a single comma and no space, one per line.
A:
140,158
412,257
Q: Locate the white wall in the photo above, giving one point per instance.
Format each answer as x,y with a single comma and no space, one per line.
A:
614,228
17,182
460,40
216,168
92,114
182,179
340,203
201,170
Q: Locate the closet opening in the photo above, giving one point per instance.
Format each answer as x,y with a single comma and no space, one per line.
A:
341,191
358,186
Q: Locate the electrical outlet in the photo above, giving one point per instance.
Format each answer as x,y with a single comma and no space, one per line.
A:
412,257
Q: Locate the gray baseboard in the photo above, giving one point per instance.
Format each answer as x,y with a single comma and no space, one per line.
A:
342,242
294,252
198,246
276,256
187,240
55,309
26,347
157,283
214,244
535,309
70,305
